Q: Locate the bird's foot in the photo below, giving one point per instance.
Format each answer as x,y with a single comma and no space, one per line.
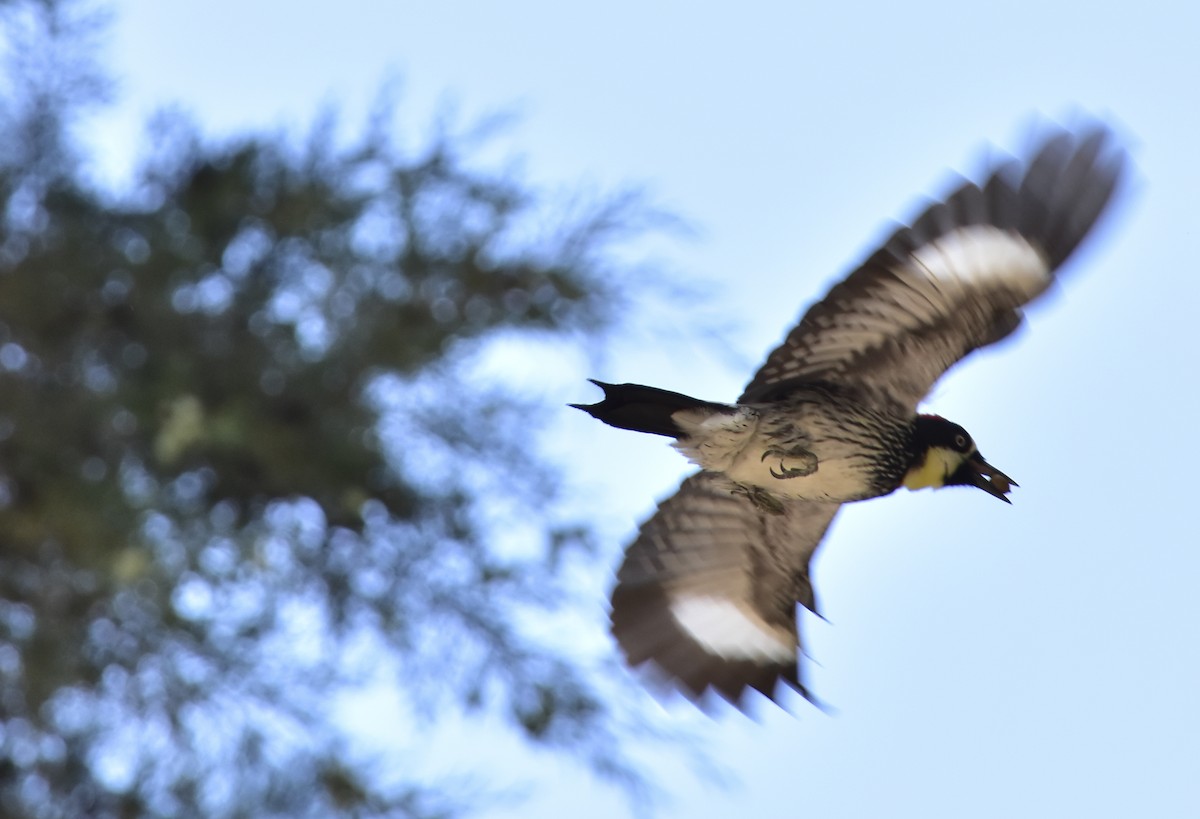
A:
793,463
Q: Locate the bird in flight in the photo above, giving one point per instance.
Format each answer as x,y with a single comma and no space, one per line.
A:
708,589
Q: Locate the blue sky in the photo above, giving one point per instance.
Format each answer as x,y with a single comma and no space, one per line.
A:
1036,660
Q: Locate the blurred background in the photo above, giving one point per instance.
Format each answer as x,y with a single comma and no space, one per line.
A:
294,520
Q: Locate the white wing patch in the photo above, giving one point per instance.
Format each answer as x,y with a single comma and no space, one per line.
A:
725,629
984,256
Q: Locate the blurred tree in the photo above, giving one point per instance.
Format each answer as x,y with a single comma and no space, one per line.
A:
237,445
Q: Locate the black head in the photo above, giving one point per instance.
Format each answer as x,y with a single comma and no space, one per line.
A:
934,430
944,454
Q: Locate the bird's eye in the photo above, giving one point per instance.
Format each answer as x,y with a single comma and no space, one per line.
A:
960,442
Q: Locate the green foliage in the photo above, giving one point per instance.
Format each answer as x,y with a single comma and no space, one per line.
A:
235,443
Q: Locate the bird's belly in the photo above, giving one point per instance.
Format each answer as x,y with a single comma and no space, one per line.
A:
824,473
809,448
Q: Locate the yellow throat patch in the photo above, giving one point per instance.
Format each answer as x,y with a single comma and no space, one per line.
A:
931,473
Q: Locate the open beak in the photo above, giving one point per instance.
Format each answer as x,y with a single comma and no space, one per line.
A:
975,471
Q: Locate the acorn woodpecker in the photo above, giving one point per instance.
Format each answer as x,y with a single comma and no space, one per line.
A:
708,590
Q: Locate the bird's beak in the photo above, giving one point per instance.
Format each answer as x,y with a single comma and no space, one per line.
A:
975,471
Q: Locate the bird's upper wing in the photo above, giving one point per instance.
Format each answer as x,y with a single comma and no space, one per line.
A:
952,282
708,590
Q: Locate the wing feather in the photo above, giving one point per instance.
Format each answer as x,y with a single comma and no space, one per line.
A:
709,587
954,281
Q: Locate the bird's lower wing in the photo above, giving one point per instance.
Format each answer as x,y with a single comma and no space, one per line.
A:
709,587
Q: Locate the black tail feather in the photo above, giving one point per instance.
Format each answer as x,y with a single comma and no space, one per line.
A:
643,409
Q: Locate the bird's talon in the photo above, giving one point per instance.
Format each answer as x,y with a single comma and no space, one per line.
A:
807,460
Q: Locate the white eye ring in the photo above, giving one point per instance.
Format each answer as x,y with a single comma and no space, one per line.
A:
960,441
